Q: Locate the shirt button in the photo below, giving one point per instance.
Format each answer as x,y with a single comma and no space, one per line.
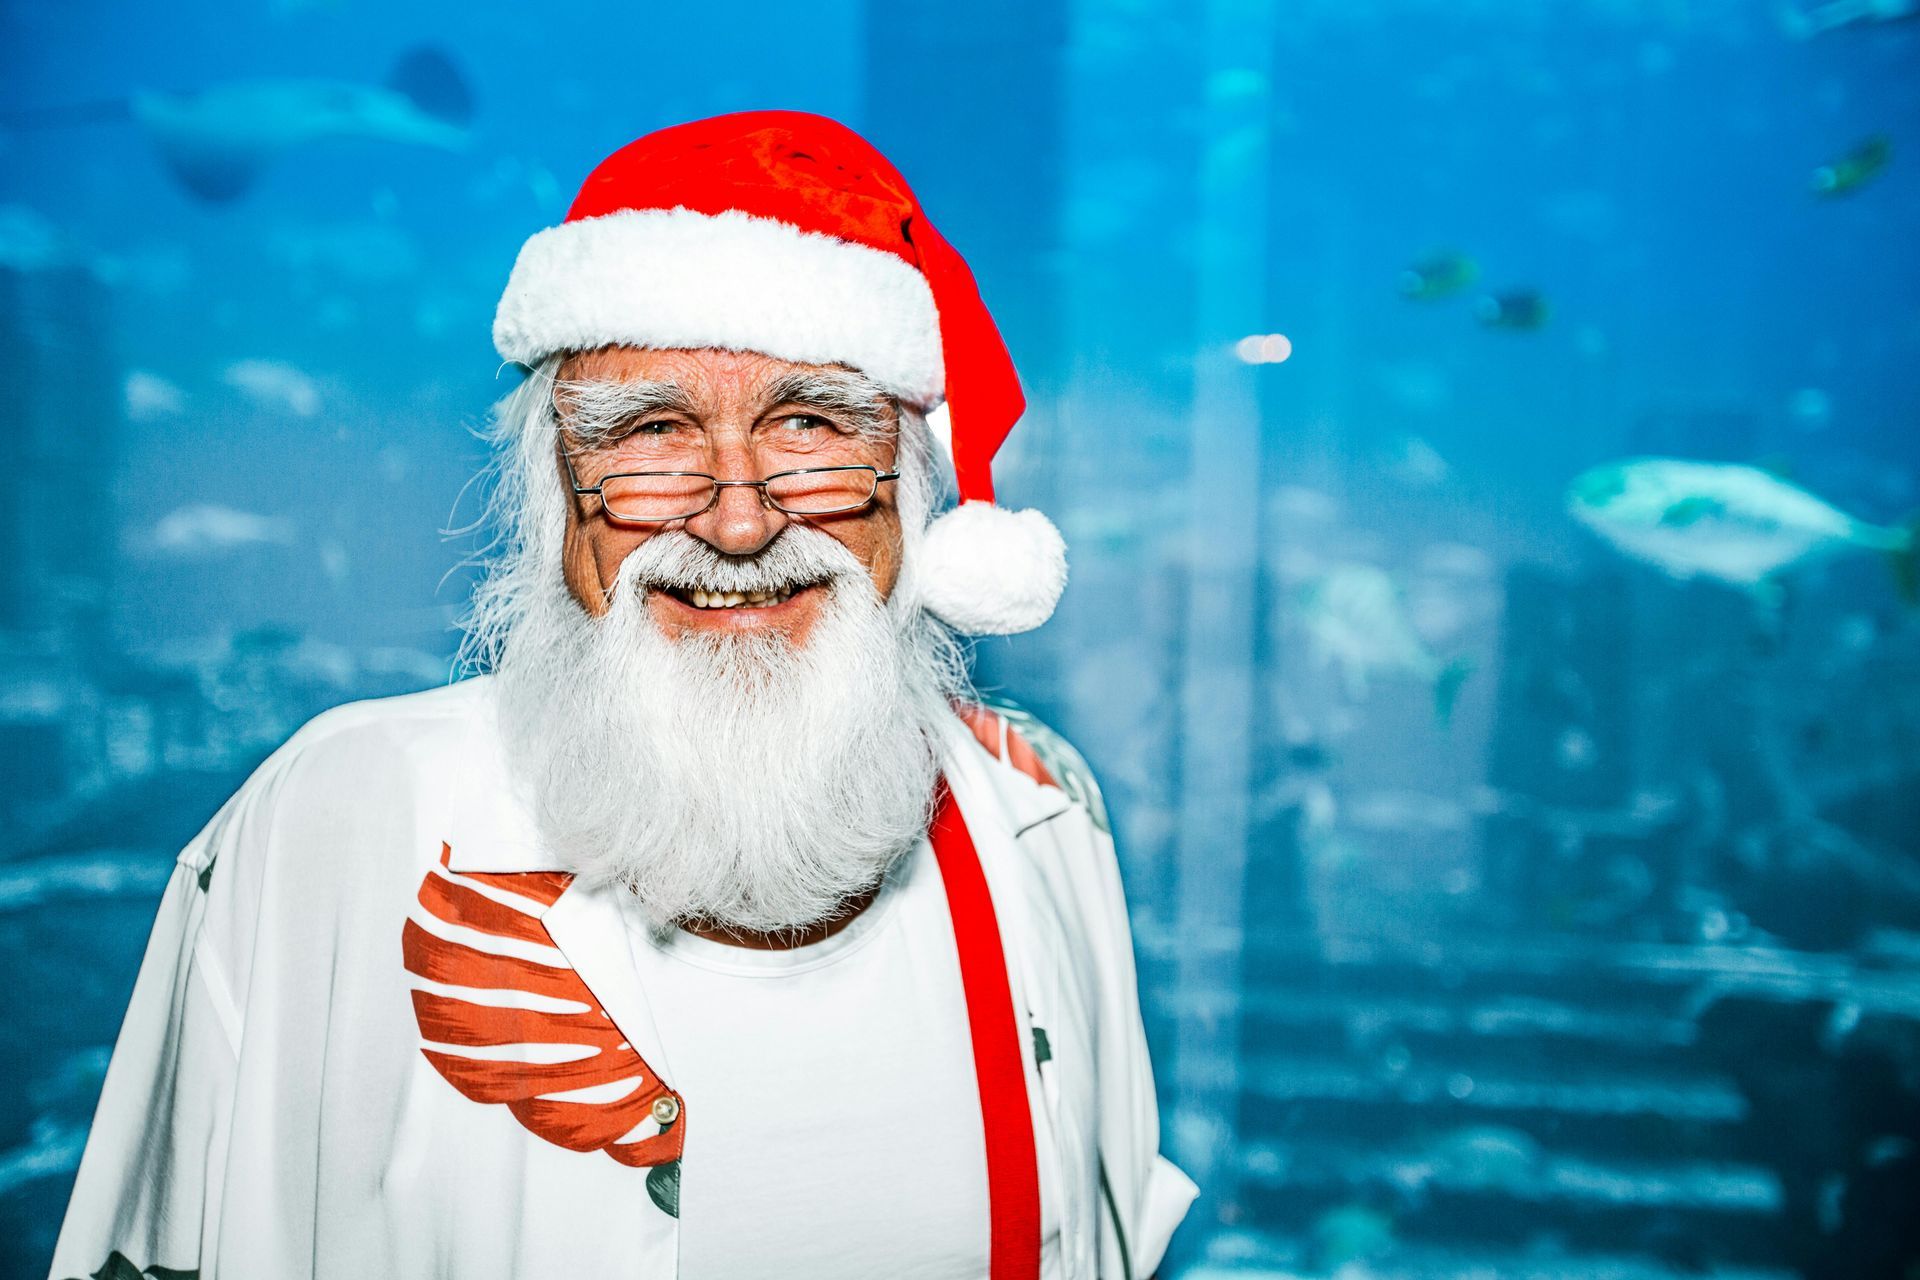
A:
666,1110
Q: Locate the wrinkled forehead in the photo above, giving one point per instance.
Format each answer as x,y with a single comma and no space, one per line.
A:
710,379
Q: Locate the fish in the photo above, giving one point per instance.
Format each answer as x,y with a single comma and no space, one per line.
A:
1309,754
1356,619
1802,23
105,873
216,141
1345,1236
1416,462
1520,310
52,1148
1727,522
148,397
29,242
1855,169
275,385
1486,1157
203,529
1440,274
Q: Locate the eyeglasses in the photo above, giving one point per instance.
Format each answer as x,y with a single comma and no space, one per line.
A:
655,497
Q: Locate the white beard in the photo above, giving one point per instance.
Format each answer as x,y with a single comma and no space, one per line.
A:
738,781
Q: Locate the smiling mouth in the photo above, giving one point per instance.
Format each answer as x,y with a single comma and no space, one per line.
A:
701,599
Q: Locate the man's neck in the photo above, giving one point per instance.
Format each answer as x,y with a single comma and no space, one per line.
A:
785,939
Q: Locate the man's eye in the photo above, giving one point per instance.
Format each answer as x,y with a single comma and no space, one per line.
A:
808,422
659,427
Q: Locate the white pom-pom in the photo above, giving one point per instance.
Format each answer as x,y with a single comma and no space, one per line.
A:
988,571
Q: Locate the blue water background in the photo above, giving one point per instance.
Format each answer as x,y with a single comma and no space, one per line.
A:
1614,969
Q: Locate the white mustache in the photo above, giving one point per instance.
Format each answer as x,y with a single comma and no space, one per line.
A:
797,557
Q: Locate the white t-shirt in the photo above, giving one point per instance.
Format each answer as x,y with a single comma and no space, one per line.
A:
833,1117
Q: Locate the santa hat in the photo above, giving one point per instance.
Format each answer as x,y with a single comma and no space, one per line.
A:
787,233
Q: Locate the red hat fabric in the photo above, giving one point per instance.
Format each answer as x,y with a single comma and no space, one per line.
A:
784,195
789,234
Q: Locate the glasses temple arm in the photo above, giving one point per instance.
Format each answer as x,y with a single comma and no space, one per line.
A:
573,477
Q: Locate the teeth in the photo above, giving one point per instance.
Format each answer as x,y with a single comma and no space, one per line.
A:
705,599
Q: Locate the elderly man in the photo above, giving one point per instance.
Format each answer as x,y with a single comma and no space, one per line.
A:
718,932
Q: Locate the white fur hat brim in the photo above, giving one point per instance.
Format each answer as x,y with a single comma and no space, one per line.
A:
676,278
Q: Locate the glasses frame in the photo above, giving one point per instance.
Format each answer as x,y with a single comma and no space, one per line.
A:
766,496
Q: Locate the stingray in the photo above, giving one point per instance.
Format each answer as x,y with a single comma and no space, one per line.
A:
216,141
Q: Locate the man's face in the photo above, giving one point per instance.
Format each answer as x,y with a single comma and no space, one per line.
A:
746,768
738,416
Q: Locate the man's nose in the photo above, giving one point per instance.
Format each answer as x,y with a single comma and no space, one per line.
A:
740,522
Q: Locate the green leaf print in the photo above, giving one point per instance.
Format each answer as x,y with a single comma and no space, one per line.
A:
663,1184
120,1267
117,1267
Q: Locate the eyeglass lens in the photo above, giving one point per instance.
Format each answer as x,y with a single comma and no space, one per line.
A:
655,498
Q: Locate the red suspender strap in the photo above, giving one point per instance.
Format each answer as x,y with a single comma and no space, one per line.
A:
1013,1173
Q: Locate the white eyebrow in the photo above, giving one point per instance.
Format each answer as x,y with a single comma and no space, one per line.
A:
597,411
855,397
